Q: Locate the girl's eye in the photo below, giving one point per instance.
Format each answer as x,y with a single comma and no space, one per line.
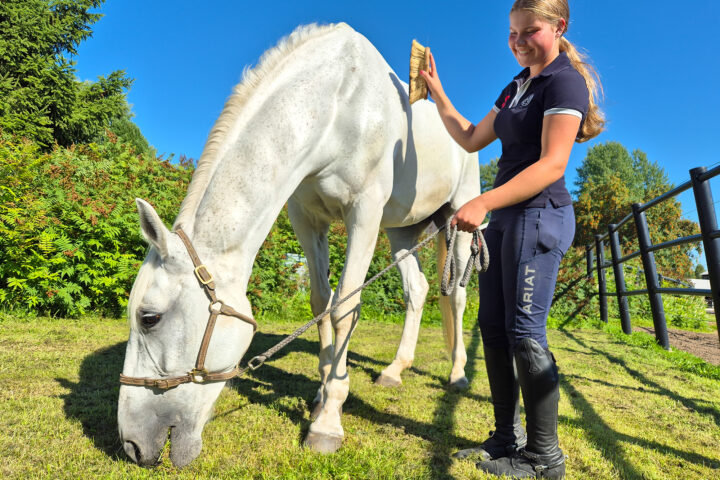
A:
150,319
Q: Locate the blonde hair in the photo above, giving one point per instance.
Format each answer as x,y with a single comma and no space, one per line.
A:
552,11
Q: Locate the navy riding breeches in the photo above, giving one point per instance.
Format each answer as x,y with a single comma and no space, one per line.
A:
526,246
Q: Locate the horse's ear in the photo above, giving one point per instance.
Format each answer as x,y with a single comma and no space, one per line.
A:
153,228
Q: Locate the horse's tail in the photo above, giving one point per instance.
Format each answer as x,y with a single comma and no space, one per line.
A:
446,310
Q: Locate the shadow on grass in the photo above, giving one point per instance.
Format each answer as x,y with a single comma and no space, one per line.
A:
652,386
445,417
608,441
281,383
93,399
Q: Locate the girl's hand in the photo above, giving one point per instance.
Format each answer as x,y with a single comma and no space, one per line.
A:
471,215
433,80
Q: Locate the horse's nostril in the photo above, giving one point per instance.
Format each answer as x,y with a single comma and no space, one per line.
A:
132,450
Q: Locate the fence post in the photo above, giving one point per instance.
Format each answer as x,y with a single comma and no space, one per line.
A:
602,290
589,260
708,224
619,279
651,279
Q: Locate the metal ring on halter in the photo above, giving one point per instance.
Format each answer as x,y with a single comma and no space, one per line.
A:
213,304
198,375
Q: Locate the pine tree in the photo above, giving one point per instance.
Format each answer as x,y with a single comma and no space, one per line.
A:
40,96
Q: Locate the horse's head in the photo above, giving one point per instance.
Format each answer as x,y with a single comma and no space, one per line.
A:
168,312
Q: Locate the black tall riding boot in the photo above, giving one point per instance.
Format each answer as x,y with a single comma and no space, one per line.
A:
509,434
539,381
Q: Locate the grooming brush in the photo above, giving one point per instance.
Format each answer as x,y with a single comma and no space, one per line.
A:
419,60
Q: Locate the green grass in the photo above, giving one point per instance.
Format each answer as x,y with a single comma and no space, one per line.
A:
627,410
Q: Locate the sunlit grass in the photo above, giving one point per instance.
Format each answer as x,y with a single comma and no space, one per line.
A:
627,410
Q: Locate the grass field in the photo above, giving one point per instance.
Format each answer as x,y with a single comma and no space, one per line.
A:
627,411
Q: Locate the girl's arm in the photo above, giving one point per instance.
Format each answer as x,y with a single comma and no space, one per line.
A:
471,137
558,135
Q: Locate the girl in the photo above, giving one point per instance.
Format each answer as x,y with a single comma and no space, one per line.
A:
538,116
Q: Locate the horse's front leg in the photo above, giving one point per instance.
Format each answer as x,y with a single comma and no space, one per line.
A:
312,235
326,432
415,289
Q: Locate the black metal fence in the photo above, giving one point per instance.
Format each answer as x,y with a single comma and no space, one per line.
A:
710,237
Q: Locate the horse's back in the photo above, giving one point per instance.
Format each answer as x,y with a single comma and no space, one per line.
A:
376,142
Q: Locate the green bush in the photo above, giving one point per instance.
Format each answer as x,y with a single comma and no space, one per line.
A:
69,234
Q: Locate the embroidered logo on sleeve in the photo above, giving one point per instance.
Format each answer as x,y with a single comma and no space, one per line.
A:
505,101
527,101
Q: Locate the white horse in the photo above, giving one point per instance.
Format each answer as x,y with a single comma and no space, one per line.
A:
324,124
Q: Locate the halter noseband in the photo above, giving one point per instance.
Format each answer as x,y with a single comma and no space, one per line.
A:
217,307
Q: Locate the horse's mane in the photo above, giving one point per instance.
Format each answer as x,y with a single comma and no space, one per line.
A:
251,78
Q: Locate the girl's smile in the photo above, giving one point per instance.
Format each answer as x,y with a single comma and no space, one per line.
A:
533,42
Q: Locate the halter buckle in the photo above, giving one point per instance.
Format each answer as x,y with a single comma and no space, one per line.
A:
198,375
161,383
205,277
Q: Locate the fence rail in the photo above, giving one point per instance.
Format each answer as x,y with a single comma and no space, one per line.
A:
709,236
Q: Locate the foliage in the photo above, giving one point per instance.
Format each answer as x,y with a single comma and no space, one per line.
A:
612,180
488,172
605,160
69,234
575,299
699,270
40,97
681,311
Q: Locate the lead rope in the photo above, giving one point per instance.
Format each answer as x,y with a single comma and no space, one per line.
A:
481,264
479,259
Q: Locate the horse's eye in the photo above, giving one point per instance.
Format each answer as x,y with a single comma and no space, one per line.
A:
150,319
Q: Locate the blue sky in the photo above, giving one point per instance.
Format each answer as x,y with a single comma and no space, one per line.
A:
657,61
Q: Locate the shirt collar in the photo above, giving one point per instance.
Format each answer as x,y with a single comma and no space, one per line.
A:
560,63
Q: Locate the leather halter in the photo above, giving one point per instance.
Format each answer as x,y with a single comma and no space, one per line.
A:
217,307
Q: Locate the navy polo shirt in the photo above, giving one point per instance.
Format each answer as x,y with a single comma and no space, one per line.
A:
521,107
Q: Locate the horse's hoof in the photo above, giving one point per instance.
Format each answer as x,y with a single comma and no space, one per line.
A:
386,381
323,443
459,384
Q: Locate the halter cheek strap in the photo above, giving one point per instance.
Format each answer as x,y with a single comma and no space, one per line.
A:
217,307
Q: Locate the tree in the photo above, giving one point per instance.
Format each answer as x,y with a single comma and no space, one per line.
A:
612,180
488,172
40,97
699,270
608,159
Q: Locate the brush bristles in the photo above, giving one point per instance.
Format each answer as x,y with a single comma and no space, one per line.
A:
419,58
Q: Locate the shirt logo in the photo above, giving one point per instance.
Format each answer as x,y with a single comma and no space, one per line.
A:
505,101
527,101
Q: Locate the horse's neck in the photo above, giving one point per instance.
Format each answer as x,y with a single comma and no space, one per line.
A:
239,209
270,144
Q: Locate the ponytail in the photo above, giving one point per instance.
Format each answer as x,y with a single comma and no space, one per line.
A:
594,121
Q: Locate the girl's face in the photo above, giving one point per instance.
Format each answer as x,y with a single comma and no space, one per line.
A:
533,41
